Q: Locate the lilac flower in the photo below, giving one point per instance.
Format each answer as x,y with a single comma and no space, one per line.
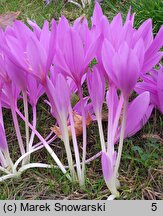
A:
95,79
125,62
35,27
130,16
20,48
153,82
66,115
88,107
6,93
74,64
122,66
9,96
5,159
152,45
117,33
59,96
34,89
28,54
110,31
110,159
55,60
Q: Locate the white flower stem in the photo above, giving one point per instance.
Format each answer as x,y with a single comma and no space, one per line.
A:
120,147
3,178
33,165
110,146
48,148
25,102
117,116
2,159
2,169
34,125
84,134
8,158
75,144
23,156
48,141
66,141
83,3
75,3
17,129
15,120
102,140
111,197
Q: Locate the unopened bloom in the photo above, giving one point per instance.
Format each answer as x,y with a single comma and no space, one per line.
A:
122,65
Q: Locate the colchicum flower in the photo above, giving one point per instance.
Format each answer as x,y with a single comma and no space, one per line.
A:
112,59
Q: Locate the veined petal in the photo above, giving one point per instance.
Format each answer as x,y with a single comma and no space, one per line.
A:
16,74
140,50
156,45
140,106
130,17
22,32
15,50
62,28
52,45
142,122
144,32
45,36
37,59
108,53
95,80
74,54
35,27
97,14
151,62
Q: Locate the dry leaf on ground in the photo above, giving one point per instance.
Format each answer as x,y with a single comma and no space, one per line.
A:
7,19
78,125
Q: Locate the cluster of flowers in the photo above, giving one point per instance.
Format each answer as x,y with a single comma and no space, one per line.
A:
112,58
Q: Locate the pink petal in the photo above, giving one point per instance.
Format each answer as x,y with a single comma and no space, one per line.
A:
151,61
37,59
160,88
74,54
144,32
97,14
140,106
107,167
108,53
156,45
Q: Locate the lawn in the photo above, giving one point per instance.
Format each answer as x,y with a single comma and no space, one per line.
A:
141,169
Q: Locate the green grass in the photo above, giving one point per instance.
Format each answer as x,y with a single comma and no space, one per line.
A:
141,166
144,9
140,169
36,10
